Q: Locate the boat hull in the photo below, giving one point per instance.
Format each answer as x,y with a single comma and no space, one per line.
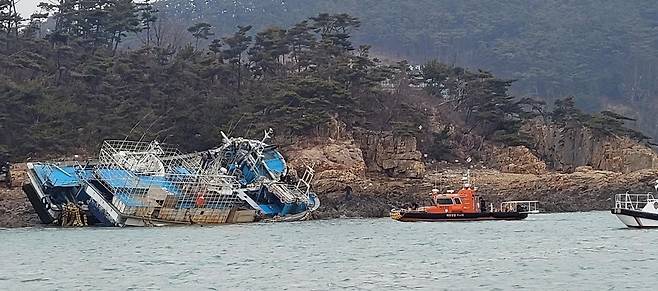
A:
413,216
37,203
636,219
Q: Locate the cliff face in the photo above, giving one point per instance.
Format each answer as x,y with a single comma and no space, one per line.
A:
328,155
517,159
564,149
395,156
363,173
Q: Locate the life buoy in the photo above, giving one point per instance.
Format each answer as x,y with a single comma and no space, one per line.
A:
45,203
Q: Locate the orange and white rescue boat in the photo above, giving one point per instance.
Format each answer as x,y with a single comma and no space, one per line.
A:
465,205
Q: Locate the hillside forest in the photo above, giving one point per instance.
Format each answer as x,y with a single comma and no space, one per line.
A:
604,53
84,71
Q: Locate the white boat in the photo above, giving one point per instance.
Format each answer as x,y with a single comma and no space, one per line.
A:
637,210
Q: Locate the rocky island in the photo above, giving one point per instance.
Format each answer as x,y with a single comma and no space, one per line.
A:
365,174
379,132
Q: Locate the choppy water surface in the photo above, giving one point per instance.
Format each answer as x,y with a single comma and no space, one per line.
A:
581,251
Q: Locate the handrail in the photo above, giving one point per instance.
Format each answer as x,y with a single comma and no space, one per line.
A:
521,206
633,201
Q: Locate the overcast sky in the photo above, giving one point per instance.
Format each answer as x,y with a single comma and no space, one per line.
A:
27,7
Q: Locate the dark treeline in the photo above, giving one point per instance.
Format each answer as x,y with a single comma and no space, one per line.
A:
605,53
66,88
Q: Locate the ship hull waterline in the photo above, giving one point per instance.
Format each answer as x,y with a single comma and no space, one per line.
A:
420,216
636,219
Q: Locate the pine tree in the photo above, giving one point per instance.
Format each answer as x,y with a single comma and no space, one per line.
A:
200,31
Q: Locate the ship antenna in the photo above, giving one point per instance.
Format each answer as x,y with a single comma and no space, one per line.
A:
235,125
137,124
153,123
468,171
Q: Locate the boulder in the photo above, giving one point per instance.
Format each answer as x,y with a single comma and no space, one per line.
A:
343,156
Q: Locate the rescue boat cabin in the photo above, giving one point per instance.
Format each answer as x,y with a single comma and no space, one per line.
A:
465,205
465,200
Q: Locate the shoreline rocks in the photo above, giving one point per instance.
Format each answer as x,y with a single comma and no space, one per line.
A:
346,195
15,209
585,190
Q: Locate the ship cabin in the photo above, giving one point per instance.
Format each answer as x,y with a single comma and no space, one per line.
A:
464,201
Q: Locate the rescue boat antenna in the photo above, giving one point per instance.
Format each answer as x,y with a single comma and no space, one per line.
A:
467,178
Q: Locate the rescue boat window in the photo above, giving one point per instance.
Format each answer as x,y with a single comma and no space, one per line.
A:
444,201
458,201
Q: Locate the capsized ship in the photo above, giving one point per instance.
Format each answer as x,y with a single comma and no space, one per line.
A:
262,174
465,205
150,184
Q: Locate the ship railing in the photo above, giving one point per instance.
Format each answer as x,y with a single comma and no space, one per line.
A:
156,180
146,158
305,181
633,201
522,206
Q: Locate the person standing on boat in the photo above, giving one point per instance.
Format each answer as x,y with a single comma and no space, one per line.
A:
483,205
205,160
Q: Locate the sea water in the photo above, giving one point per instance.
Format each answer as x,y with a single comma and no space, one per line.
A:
567,251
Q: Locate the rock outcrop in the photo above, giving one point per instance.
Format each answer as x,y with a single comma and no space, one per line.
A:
564,149
337,164
329,155
516,159
15,209
583,190
389,154
350,171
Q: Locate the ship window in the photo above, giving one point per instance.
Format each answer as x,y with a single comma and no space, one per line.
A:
444,201
458,201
